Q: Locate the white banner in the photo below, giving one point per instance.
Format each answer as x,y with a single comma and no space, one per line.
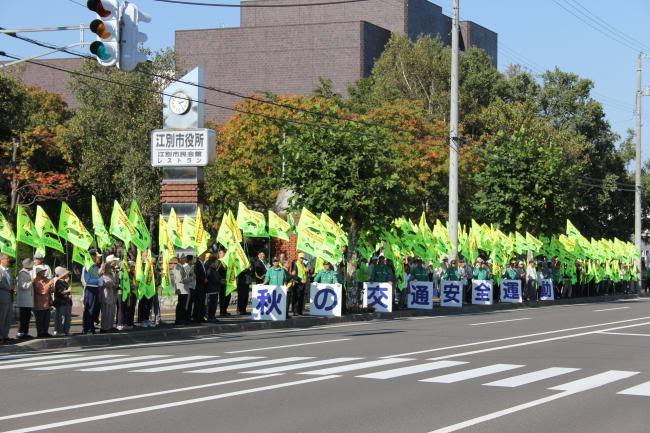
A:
482,292
511,291
421,295
379,296
546,292
194,147
269,302
451,293
325,300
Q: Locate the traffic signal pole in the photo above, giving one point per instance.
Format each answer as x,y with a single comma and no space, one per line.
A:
26,59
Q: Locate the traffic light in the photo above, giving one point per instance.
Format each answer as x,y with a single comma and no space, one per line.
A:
107,28
131,37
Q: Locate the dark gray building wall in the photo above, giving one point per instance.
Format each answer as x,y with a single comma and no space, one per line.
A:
280,59
475,35
426,18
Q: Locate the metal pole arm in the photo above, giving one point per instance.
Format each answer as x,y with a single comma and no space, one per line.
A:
26,59
44,29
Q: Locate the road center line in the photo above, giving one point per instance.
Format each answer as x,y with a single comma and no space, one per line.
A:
611,309
288,345
167,405
499,321
624,333
528,343
497,340
133,397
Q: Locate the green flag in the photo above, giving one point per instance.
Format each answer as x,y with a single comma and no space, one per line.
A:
103,238
72,229
81,256
175,230
226,235
237,263
25,231
125,280
139,272
189,231
165,280
46,231
251,223
7,237
278,228
202,238
121,227
164,243
141,237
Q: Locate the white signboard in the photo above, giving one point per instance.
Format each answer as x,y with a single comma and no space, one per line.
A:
194,147
421,295
451,293
546,292
511,291
269,302
379,296
482,292
325,300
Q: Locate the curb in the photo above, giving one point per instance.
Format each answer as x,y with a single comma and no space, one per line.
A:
171,332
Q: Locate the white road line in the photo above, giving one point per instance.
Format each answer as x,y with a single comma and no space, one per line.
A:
288,345
35,358
100,362
471,374
631,334
602,380
594,381
611,309
167,405
357,366
194,364
299,366
251,364
132,397
413,369
536,334
643,389
57,361
528,343
535,376
499,321
129,364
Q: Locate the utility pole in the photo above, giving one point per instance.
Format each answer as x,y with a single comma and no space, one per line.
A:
453,133
637,183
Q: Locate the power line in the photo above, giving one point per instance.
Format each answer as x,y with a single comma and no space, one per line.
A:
246,5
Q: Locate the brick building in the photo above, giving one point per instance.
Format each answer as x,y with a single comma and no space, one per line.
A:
286,50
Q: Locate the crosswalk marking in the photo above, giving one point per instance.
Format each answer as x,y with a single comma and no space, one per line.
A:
471,374
535,376
130,364
100,362
413,369
357,366
301,365
251,364
37,358
594,381
194,364
642,389
57,361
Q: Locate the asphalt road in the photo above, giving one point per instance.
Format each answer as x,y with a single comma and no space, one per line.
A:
573,368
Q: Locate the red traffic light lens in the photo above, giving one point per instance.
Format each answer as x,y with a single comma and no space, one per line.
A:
99,28
97,7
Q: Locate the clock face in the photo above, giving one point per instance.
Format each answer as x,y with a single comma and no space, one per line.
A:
179,103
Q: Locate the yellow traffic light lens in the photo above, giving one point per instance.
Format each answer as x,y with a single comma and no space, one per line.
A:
100,29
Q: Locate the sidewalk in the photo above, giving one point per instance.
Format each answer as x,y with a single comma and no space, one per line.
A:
168,332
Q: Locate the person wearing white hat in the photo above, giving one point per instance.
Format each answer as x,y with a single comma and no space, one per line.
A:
25,298
107,294
42,291
38,261
62,301
6,291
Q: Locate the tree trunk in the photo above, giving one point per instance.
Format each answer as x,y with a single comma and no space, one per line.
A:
352,263
14,176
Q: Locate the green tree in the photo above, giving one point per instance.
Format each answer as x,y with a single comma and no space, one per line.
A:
109,134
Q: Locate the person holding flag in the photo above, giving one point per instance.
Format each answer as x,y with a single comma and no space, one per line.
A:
299,271
91,280
107,294
327,275
179,280
25,298
6,294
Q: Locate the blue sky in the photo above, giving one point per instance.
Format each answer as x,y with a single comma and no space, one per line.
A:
539,34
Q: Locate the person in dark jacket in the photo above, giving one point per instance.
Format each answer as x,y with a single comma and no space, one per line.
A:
244,280
222,271
260,268
198,315
212,288
62,301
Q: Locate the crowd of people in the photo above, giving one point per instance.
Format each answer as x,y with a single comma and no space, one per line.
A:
199,284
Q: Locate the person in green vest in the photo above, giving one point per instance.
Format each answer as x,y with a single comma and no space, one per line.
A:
480,271
300,275
419,272
381,272
276,275
452,273
327,275
511,271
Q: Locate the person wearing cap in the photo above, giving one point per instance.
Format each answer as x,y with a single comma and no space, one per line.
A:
42,301
452,273
107,294
91,280
481,272
327,275
62,301
276,275
25,298
381,272
300,274
6,292
38,261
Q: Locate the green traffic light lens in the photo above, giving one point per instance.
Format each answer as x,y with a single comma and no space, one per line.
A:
101,51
